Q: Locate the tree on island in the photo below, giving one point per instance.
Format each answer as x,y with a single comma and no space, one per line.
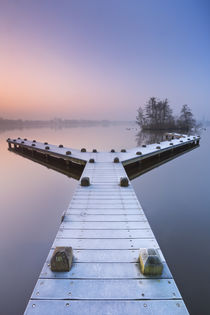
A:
158,115
186,120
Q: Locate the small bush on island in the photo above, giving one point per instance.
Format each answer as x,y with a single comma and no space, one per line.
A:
158,115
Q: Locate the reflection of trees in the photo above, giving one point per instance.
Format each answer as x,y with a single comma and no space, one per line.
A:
151,136
147,137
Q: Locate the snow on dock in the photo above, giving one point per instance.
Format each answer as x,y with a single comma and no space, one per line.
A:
106,227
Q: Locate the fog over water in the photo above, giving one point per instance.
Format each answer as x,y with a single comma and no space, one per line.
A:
174,196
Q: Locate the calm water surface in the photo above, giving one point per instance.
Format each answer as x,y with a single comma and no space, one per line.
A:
175,198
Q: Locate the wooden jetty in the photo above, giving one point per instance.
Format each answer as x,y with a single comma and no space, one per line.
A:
106,227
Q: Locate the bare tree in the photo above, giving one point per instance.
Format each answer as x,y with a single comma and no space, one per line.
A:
157,114
186,120
140,119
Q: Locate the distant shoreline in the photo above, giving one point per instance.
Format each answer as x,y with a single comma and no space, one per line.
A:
9,124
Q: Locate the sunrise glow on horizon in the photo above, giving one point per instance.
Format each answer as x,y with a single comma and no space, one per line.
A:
102,59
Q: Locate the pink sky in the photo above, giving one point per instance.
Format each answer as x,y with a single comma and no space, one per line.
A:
100,60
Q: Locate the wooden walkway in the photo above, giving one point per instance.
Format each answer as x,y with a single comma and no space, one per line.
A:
106,226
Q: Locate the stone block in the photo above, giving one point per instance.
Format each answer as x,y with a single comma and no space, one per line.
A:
85,181
124,182
116,160
61,259
150,263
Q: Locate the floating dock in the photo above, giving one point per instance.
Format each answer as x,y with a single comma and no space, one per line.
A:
106,227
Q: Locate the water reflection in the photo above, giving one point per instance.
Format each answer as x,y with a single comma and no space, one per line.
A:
68,168
148,137
145,165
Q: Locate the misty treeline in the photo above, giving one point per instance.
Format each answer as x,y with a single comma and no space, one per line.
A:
56,123
158,115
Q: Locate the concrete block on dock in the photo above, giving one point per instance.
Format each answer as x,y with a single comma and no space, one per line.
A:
91,161
124,182
116,160
61,259
85,181
150,263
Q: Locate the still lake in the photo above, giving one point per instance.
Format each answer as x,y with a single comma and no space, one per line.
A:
175,198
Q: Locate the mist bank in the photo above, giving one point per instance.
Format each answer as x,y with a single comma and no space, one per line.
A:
57,123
